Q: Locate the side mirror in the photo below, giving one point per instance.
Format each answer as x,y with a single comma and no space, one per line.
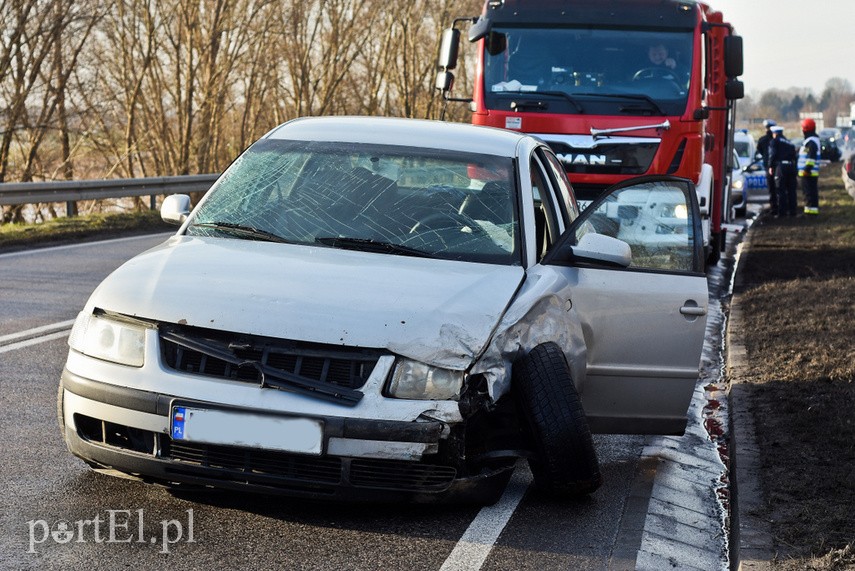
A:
444,81
733,59
599,248
734,89
448,49
701,114
175,209
480,29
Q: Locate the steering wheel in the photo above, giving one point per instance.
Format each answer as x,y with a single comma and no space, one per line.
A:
444,220
665,74
653,72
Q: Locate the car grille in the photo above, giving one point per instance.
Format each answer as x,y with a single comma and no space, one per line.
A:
346,367
286,469
290,466
400,475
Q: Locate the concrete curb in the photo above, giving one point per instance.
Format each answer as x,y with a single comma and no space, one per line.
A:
752,545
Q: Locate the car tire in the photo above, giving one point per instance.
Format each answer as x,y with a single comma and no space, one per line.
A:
565,462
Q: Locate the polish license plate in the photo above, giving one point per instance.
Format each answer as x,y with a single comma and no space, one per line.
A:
232,428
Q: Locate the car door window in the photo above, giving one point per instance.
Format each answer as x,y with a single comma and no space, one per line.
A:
656,219
547,228
566,197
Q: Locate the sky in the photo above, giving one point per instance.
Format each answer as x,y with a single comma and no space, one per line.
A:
793,43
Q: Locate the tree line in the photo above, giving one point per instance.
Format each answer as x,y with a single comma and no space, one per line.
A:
784,105
134,88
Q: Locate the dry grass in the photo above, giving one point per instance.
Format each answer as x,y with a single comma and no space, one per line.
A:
798,305
79,228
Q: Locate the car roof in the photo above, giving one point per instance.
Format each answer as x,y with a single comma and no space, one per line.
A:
403,132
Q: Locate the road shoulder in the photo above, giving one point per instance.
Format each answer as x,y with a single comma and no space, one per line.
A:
751,533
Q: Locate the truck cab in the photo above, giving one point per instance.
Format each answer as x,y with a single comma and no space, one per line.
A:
617,89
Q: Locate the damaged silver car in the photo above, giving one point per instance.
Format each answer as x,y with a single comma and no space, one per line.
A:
367,308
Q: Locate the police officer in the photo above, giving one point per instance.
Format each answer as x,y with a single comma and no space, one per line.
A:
808,165
763,150
782,169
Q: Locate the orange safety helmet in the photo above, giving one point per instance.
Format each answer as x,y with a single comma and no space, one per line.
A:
808,125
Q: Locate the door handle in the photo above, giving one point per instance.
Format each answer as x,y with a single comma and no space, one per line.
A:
691,309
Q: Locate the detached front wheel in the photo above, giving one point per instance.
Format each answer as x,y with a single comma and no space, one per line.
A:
565,462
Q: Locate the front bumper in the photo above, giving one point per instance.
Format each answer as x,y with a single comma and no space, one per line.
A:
127,430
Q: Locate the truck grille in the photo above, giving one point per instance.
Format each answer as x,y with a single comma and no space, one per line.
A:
340,366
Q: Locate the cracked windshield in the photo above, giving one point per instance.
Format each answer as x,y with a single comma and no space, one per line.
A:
588,71
395,200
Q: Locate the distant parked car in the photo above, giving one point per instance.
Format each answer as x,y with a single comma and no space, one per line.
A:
831,141
754,177
848,172
737,187
848,141
745,147
829,150
756,187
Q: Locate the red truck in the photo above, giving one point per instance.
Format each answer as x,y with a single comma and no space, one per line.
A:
618,88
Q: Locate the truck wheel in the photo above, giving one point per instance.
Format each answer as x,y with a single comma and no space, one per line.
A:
565,462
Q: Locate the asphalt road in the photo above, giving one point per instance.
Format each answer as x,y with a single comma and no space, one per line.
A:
58,514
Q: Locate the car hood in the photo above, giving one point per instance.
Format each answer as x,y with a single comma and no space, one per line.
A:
438,311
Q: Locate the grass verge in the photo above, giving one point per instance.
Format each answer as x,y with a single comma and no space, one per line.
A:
79,228
798,305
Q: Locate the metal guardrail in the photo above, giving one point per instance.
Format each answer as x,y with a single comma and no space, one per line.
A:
74,190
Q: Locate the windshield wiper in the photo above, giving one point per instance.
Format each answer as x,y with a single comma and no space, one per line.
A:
370,245
540,104
247,231
633,96
270,377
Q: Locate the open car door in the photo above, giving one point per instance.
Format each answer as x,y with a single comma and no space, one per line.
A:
643,312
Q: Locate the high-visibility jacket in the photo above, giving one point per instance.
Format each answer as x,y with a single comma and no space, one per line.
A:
809,156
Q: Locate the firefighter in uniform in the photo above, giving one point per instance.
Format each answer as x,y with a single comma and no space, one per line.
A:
782,169
808,166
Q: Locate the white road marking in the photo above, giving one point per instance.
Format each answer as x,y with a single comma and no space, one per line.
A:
478,540
35,331
35,341
82,245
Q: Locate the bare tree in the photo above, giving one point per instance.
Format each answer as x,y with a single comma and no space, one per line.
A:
46,39
162,87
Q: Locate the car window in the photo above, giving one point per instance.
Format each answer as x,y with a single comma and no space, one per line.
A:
547,228
655,219
743,149
567,205
388,199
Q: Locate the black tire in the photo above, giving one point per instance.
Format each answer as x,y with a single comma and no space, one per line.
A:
565,462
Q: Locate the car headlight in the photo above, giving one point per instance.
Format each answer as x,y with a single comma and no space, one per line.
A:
738,184
414,380
680,211
109,339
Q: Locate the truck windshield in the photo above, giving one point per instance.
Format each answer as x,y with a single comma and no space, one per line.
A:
603,71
